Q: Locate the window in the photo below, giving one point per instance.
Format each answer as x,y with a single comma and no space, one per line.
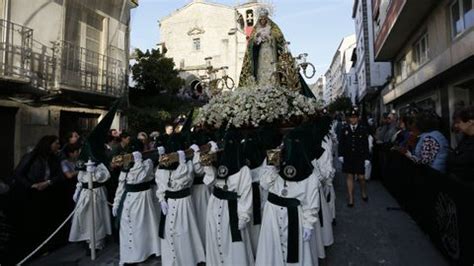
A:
93,28
401,70
468,11
421,50
462,16
456,19
197,44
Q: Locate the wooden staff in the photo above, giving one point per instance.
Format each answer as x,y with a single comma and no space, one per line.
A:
164,160
273,157
92,206
170,158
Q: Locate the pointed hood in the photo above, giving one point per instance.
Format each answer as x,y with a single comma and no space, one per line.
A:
295,163
199,137
269,137
93,147
230,161
174,142
312,139
253,150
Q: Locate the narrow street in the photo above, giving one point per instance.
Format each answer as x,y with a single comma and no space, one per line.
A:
373,233
378,232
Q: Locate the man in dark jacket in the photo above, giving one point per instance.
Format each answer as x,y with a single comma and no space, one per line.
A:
354,154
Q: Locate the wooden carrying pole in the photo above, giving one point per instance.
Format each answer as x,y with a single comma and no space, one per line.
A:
90,164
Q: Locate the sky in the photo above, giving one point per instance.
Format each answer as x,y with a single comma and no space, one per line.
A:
315,27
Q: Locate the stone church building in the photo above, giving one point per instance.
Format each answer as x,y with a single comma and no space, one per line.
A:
203,29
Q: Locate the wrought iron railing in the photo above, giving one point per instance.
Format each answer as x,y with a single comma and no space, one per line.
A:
81,69
64,66
16,43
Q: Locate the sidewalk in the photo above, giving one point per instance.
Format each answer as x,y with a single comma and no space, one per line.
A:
377,232
367,234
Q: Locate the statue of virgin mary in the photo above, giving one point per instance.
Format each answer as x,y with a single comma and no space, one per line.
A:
265,47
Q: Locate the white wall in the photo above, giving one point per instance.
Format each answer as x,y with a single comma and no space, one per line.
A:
211,23
47,19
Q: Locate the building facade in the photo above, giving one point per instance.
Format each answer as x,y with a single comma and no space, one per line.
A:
350,84
203,29
62,64
318,88
339,70
371,76
431,47
327,91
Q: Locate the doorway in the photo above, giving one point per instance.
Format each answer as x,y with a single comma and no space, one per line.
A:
7,142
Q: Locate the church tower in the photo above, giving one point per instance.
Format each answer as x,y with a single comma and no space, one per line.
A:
248,15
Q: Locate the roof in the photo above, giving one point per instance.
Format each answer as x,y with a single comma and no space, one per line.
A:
194,2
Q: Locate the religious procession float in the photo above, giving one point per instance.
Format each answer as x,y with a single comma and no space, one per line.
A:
272,92
267,141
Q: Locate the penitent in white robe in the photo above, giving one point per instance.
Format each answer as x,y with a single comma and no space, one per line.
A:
254,229
220,250
327,167
332,145
316,242
273,243
139,218
324,171
81,221
200,194
182,244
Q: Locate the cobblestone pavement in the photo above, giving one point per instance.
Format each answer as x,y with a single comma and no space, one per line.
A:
372,233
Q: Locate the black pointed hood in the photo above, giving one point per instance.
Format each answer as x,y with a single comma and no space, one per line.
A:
93,147
316,132
254,152
230,161
295,163
199,137
269,137
174,142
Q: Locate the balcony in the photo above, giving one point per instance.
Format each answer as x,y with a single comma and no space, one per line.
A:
402,19
83,70
37,68
16,43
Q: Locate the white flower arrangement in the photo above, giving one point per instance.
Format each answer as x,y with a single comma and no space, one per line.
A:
255,106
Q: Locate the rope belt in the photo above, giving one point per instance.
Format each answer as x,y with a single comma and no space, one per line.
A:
180,194
131,188
231,198
293,221
257,214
